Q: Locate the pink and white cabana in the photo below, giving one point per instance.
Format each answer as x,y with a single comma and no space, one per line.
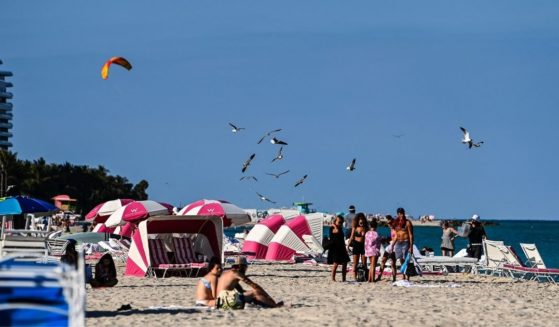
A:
102,211
289,237
230,213
261,234
206,233
136,211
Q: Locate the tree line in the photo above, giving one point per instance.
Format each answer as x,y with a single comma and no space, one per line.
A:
90,186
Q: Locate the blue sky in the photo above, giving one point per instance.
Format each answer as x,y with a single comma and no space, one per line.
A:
340,78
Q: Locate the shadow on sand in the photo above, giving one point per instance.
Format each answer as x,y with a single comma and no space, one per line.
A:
115,313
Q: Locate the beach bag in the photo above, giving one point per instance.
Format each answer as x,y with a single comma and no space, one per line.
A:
230,300
410,267
327,243
362,273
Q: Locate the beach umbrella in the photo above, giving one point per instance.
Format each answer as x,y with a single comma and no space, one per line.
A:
88,237
126,230
137,211
102,211
229,213
101,228
16,205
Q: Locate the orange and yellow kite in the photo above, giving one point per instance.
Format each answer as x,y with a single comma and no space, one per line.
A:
114,60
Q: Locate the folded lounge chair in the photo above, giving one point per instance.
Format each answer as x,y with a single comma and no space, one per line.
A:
533,255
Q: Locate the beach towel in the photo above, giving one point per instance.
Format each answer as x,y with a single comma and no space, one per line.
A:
410,267
406,283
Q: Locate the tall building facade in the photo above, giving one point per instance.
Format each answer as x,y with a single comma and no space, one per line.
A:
5,110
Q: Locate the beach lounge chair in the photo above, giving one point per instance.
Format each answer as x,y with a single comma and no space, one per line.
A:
23,247
184,254
494,258
441,263
37,294
315,248
56,247
517,270
534,259
159,259
116,253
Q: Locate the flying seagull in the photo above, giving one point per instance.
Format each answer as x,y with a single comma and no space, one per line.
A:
235,129
276,141
398,135
279,156
351,166
278,175
301,181
268,134
263,198
249,178
247,163
468,140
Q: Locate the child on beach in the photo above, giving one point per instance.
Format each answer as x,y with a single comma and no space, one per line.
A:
372,249
337,253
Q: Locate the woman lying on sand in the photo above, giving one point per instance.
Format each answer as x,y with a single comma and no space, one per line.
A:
206,289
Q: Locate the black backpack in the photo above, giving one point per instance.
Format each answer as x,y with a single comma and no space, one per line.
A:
362,273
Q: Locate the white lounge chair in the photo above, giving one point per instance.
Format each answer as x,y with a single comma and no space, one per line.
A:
116,253
23,247
494,258
534,259
315,248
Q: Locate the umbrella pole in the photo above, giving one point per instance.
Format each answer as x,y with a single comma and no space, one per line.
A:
3,224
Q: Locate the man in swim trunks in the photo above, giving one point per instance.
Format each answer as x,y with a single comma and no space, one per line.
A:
404,237
230,279
206,289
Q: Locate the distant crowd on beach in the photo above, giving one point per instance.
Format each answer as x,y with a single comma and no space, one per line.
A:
364,243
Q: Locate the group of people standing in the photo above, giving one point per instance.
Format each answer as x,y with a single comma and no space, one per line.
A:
365,243
473,230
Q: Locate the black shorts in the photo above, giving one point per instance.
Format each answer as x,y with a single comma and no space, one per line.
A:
358,248
446,249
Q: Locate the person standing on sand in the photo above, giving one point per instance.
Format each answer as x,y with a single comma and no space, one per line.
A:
230,281
476,237
357,241
447,239
349,217
372,249
337,253
404,237
206,289
389,250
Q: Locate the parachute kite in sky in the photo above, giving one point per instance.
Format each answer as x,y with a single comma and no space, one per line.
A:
114,60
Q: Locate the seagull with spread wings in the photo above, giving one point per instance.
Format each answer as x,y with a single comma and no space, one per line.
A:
235,129
278,175
268,134
247,163
301,181
263,198
279,156
249,178
276,141
468,140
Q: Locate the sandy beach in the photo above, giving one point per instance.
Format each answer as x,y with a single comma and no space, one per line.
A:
315,301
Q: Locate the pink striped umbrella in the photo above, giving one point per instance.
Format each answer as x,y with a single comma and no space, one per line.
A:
101,228
103,210
230,213
137,211
126,230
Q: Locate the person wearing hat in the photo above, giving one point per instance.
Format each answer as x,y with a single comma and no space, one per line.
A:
476,236
70,256
229,282
349,217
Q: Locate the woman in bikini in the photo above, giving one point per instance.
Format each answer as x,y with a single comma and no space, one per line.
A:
207,286
357,241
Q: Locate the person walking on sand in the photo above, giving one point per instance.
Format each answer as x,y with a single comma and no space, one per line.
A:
447,239
337,253
389,251
372,249
404,237
206,289
357,241
230,281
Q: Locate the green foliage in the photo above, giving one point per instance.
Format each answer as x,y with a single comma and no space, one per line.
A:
90,186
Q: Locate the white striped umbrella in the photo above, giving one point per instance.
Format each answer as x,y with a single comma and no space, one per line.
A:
137,211
230,213
103,210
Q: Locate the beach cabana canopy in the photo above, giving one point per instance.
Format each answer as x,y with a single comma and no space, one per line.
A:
261,235
137,211
206,233
103,210
231,214
289,238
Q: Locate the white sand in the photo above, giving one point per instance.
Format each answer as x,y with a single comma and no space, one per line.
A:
315,301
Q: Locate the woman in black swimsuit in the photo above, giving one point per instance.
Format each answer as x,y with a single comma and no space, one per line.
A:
337,253
357,241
